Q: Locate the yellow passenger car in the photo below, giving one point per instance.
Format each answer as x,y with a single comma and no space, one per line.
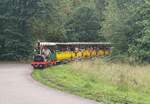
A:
101,52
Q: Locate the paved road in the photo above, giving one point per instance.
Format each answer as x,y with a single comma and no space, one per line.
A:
17,87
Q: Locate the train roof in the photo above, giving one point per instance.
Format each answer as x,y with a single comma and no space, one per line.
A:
73,43
47,44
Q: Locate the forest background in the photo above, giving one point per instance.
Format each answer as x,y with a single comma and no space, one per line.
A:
125,23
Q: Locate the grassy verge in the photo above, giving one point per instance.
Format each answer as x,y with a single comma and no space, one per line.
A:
103,82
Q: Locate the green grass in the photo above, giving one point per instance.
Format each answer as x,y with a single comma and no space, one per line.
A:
103,82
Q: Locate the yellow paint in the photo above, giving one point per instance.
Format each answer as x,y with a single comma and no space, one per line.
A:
101,53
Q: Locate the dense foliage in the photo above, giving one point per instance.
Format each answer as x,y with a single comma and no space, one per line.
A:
15,37
125,23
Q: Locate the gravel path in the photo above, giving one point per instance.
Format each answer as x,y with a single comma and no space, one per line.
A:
18,87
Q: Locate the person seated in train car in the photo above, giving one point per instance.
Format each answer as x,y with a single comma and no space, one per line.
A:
46,51
82,50
97,49
69,53
88,52
72,48
62,48
52,55
59,53
58,49
66,53
42,55
110,50
68,48
101,51
91,51
72,55
93,54
76,51
106,51
85,52
79,54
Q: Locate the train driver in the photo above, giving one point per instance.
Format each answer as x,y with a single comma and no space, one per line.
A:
46,52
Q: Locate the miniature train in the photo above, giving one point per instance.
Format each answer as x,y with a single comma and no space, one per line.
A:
48,53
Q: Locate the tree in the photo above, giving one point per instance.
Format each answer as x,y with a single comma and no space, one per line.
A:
100,7
139,49
113,27
117,25
49,25
83,26
15,37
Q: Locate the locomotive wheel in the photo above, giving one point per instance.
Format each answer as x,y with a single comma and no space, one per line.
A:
35,67
42,66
